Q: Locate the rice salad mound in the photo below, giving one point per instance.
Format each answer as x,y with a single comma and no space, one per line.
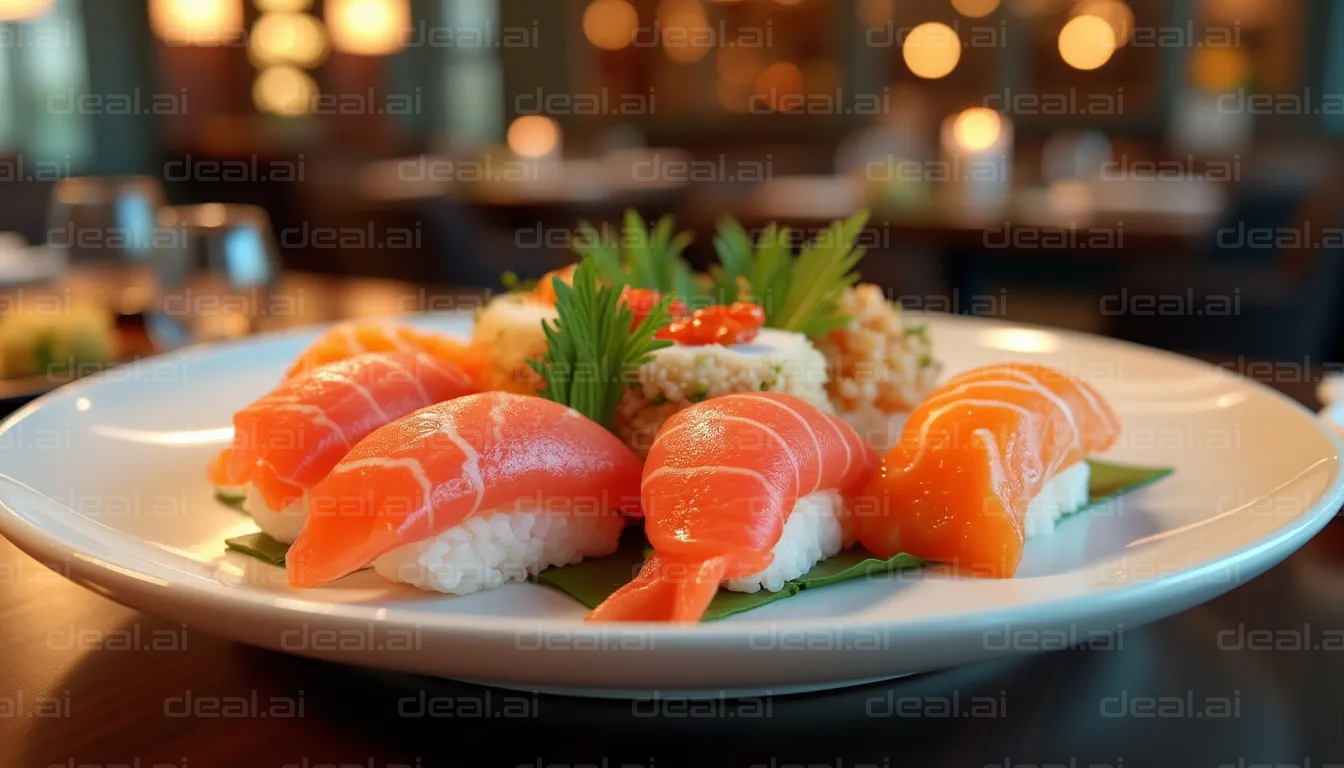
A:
880,367
509,332
681,375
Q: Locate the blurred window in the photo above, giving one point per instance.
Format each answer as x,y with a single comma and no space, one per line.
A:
43,84
474,80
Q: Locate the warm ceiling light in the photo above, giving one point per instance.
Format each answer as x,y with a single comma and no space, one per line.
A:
17,10
1086,42
610,24
534,136
739,65
1114,12
977,128
284,90
779,79
287,38
283,6
931,50
975,9
685,30
197,22
368,27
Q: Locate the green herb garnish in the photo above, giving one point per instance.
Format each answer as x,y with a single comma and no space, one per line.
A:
514,284
260,546
800,293
592,581
591,348
643,258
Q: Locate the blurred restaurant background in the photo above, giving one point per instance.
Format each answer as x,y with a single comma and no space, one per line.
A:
1164,171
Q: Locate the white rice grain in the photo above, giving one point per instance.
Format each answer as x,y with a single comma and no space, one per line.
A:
1066,492
494,548
812,533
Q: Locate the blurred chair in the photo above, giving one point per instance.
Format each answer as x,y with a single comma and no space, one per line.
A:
1278,257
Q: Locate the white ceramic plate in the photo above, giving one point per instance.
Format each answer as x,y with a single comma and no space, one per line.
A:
108,481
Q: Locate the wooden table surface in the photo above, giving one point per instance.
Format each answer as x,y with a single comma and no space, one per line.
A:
87,682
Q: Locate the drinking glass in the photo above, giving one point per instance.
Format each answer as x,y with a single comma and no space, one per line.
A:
217,271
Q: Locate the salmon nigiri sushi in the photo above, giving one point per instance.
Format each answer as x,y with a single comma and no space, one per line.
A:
745,491
355,337
993,456
469,494
289,439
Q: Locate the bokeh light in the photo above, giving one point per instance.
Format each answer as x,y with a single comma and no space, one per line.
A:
287,38
977,128
610,24
685,31
1086,42
778,80
284,90
283,6
16,10
368,27
534,136
1116,13
197,22
931,50
975,9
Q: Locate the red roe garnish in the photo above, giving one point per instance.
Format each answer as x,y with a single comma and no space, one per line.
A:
727,325
641,302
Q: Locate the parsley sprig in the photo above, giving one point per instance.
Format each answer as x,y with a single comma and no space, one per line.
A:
642,257
592,349
800,293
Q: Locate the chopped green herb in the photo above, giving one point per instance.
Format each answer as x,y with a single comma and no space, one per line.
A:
698,393
918,331
658,400
591,349
925,361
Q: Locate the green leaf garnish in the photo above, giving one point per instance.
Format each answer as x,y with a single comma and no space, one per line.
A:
1109,481
799,294
643,258
591,350
230,498
592,581
260,546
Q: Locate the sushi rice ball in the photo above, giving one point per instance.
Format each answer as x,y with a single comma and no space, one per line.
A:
880,366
